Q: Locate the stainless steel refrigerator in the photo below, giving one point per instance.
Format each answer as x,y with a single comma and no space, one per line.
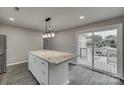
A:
3,54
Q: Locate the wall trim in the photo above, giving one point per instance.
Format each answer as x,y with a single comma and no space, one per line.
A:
17,63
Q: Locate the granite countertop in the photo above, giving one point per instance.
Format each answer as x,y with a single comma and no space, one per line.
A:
55,57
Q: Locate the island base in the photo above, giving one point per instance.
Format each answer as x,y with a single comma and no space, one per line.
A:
47,73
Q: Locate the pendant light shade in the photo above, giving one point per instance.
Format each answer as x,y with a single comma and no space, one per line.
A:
43,35
52,34
49,33
46,35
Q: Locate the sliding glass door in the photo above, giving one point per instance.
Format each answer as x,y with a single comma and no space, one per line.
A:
99,49
85,49
105,50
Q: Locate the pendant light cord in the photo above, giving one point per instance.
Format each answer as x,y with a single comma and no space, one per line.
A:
46,26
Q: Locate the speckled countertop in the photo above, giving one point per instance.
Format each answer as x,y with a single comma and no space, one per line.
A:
55,57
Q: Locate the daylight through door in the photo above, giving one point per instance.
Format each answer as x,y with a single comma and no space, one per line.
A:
99,50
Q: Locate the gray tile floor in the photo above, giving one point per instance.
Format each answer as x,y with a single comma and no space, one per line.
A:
84,76
19,75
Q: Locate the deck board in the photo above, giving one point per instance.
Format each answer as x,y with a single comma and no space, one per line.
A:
101,64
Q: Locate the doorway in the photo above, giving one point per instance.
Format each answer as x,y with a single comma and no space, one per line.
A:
99,49
3,54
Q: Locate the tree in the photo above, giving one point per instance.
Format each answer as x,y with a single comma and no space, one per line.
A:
97,40
111,37
111,41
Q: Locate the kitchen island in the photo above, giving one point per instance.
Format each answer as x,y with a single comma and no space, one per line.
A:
50,67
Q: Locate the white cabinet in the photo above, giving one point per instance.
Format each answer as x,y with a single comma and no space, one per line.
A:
47,73
31,63
38,68
42,72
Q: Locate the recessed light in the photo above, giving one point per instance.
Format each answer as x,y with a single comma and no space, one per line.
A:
81,17
11,19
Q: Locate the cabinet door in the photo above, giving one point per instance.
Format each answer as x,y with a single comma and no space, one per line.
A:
30,62
43,72
35,69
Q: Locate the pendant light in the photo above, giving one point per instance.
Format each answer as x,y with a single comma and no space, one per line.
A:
49,32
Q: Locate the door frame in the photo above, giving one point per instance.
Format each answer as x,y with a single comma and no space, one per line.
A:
4,56
119,45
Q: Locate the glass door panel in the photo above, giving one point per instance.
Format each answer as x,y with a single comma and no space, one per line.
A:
105,50
85,49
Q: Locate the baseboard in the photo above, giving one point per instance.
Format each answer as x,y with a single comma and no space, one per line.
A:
17,63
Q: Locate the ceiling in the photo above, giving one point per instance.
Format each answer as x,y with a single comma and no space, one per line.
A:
62,18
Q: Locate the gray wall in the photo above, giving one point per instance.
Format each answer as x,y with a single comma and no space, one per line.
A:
19,42
66,40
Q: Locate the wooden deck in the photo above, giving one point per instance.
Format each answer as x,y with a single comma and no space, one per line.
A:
100,63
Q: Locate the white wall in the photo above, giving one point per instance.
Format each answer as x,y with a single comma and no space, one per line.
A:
19,42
